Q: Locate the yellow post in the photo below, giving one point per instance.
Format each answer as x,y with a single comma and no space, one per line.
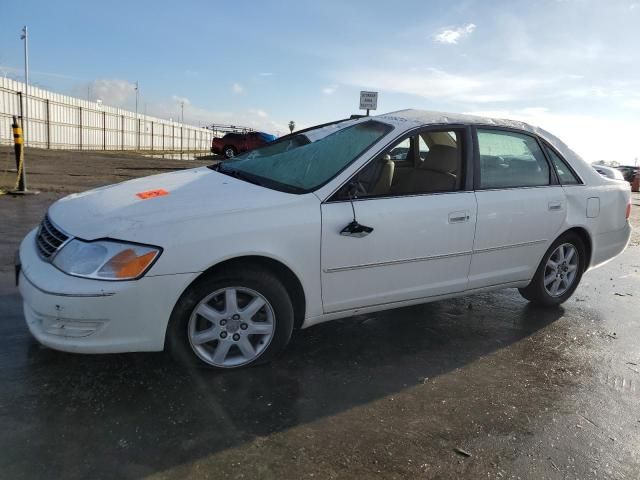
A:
18,146
20,187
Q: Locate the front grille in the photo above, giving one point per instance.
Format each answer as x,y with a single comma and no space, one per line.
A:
49,238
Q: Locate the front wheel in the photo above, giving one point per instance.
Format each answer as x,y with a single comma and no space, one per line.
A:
229,321
229,152
559,272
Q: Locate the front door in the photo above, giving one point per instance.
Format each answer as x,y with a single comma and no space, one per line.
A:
422,226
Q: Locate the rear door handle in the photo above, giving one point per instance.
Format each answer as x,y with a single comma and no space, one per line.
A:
555,206
458,217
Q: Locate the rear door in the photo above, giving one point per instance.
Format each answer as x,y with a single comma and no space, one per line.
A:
521,207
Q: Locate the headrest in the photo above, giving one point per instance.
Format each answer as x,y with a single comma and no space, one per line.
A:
441,158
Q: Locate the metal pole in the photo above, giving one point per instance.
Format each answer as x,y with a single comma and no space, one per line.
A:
121,132
18,145
18,140
48,122
104,130
25,37
152,132
137,123
80,123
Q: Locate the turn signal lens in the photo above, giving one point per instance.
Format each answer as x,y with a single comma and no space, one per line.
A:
128,264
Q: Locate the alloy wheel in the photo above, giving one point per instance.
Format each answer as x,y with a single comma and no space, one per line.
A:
561,270
231,327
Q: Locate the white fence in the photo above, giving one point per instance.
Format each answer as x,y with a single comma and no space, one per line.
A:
59,121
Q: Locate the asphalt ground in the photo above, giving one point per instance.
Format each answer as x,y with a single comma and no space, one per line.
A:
484,386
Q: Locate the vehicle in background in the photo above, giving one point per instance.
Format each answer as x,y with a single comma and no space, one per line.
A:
234,143
628,172
609,172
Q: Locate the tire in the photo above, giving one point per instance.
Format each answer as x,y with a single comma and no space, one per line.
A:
539,293
198,341
229,151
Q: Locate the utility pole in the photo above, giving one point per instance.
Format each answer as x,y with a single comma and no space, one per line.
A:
182,111
25,37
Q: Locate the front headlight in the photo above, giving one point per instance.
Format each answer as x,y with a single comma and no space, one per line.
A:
105,259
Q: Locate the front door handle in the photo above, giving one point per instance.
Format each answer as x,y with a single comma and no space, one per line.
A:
553,206
458,217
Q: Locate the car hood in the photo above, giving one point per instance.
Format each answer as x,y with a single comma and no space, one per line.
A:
167,198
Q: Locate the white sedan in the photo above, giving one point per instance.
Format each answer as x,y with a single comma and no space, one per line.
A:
220,264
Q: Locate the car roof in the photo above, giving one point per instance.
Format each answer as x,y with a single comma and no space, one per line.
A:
411,118
430,117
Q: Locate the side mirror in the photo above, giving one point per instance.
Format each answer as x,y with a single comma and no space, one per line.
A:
352,189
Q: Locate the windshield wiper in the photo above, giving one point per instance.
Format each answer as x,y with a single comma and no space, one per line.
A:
257,180
232,172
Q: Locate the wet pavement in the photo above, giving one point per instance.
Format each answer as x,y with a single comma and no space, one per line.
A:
479,387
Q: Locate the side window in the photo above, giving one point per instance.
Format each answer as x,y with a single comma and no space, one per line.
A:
509,159
400,152
565,174
428,162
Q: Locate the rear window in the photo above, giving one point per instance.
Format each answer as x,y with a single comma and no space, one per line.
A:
565,174
510,159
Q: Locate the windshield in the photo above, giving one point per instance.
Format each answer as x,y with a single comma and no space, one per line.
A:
305,166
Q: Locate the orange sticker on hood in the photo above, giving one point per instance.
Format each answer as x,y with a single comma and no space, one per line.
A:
152,194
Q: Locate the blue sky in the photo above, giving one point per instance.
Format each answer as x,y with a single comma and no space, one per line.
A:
571,66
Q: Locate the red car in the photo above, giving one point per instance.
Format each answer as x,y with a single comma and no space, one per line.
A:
234,143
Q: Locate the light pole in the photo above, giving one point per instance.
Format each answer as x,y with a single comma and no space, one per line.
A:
182,111
25,37
137,122
136,89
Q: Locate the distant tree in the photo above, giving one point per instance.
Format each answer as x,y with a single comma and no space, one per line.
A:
292,126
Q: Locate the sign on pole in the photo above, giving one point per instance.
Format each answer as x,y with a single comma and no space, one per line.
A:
368,101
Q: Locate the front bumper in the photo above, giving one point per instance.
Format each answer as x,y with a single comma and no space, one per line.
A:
91,316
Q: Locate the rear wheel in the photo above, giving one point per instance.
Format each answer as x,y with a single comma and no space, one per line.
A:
242,318
559,272
229,152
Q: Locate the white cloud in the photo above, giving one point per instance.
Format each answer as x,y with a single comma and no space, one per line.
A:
451,35
265,74
181,100
237,88
440,85
121,93
330,90
112,91
259,113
